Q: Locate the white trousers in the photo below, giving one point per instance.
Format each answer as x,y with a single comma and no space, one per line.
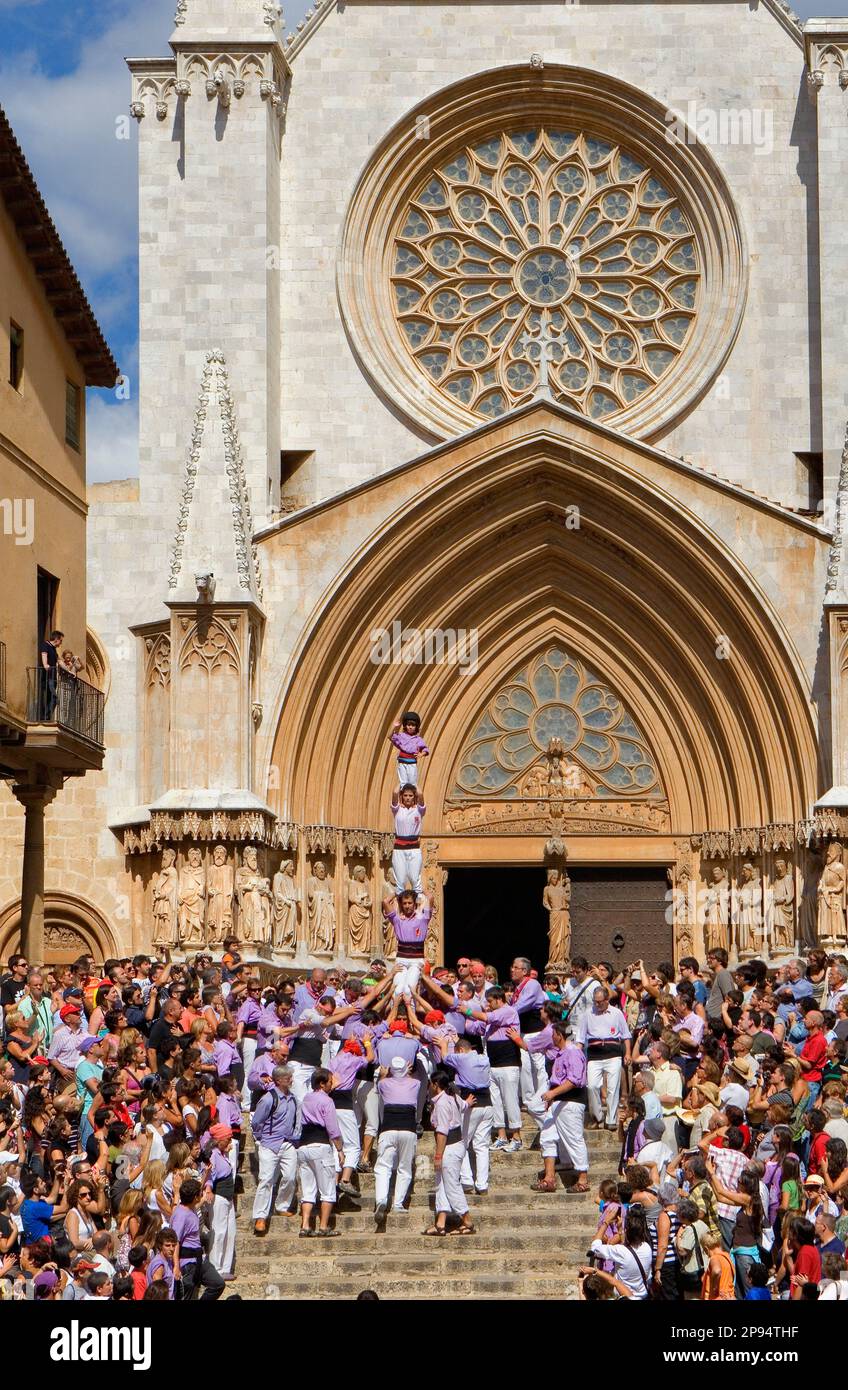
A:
507,1110
222,1252
282,1165
395,1150
407,774
533,1074
300,1082
449,1193
406,979
248,1053
563,1135
609,1069
406,868
352,1147
536,1106
316,1172
368,1100
477,1136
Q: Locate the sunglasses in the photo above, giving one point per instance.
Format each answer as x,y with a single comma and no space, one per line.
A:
461,963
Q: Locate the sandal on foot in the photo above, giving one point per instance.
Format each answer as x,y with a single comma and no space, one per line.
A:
324,1233
576,1188
464,1231
434,1231
304,1235
543,1186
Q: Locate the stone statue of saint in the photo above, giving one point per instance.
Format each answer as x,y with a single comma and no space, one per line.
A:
808,907
716,910
389,938
286,904
220,885
682,911
831,896
782,904
359,912
321,909
165,892
254,900
192,899
749,923
557,902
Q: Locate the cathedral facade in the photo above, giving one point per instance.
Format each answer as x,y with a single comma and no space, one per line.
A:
492,364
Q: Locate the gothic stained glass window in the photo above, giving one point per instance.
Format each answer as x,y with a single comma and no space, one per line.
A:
557,696
554,229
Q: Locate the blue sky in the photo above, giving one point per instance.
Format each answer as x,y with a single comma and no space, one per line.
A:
64,86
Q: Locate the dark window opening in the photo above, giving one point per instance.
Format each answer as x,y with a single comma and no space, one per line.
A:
16,355
811,480
73,397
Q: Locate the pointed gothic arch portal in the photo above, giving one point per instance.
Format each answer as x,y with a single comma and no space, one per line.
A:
602,637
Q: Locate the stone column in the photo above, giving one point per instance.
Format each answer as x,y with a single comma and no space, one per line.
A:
33,799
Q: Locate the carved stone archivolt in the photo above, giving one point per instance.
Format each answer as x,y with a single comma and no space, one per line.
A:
579,816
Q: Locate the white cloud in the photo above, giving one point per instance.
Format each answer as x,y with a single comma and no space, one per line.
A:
111,439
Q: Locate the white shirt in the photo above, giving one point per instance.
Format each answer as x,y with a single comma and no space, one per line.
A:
734,1094
626,1268
837,1129
655,1152
102,1265
582,992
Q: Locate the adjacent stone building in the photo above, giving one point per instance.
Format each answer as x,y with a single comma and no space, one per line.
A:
492,364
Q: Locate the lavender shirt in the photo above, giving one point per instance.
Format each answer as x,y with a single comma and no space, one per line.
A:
229,1111
443,1034
411,929
446,1113
269,1019
346,1067
305,999
569,1065
472,1070
160,1269
355,1028
543,1042
318,1109
225,1056
219,1166
398,1090
397,1045
185,1223
498,1021
531,996
410,744
249,1013
262,1067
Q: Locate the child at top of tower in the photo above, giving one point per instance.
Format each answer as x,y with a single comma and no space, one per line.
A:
410,747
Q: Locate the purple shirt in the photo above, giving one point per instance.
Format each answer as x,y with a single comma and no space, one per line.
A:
543,1042
346,1067
409,744
397,1045
318,1109
411,929
225,1056
160,1269
496,1024
472,1070
185,1223
275,1125
262,1067
305,999
531,996
269,1019
249,1013
569,1065
444,1034
398,1090
229,1111
446,1113
219,1166
353,1027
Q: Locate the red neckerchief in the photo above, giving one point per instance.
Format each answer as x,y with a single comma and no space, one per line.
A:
320,993
519,988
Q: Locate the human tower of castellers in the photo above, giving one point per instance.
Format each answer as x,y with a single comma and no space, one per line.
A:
391,1044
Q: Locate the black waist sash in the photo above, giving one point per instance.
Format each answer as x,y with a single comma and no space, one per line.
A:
307,1051
576,1096
605,1047
225,1187
530,1021
482,1097
398,1117
314,1134
503,1054
454,1136
410,950
190,1253
342,1100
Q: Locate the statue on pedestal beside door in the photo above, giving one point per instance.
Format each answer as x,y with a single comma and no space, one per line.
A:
192,899
557,902
286,903
359,912
716,911
165,894
220,886
831,896
321,910
254,899
748,912
782,900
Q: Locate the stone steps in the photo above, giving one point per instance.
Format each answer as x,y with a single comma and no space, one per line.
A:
527,1246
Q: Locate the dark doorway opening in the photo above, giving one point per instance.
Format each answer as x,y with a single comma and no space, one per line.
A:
617,915
496,914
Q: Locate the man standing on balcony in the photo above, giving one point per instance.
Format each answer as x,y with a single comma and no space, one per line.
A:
48,655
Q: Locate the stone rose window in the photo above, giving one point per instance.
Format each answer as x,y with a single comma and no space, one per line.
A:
550,231
512,238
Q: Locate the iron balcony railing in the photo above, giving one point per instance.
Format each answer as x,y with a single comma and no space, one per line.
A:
55,696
